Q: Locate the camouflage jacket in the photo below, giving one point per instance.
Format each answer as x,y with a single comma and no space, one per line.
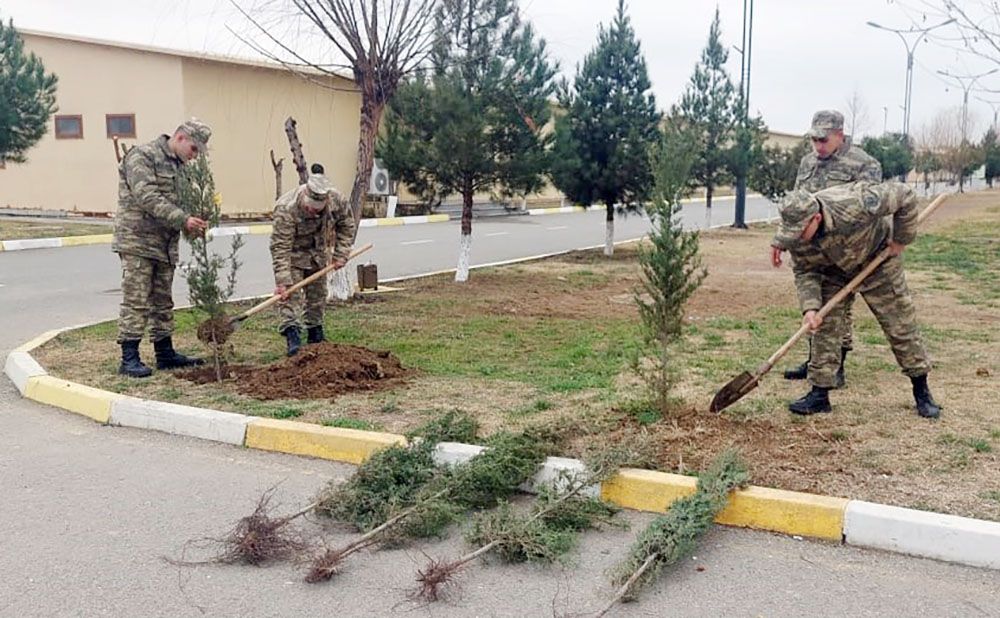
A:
858,221
304,242
848,164
149,218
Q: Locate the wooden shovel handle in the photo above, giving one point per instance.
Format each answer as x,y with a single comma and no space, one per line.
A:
298,286
845,291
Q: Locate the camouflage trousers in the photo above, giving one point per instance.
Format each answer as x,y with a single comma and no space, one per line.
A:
886,294
847,336
146,298
305,307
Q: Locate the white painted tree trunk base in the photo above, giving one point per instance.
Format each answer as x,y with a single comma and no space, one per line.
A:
609,238
340,285
464,254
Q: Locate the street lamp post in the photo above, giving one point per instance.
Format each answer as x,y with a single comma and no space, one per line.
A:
967,82
995,105
908,92
739,220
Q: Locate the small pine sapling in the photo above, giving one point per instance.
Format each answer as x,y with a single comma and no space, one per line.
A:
670,266
196,190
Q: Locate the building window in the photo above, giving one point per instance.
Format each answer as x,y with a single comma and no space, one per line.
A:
69,127
120,125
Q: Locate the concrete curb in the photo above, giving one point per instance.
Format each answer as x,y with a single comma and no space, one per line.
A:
215,232
920,533
180,420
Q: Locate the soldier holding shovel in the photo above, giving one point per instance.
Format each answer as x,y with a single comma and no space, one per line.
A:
831,236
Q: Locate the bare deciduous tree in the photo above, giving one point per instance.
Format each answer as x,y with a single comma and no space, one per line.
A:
857,115
942,136
379,42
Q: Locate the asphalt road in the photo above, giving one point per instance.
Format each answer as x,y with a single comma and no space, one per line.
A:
87,512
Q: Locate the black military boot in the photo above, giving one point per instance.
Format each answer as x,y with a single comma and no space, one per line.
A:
926,406
314,334
840,380
814,402
168,358
131,364
293,338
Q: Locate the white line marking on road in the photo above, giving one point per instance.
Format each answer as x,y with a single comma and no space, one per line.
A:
558,227
498,233
416,242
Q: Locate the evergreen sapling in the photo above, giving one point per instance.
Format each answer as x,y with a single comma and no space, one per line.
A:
196,191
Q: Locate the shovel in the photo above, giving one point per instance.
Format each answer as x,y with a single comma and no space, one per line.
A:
742,384
237,319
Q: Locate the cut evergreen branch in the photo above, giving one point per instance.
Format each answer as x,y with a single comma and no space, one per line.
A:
390,479
673,536
545,534
485,480
197,196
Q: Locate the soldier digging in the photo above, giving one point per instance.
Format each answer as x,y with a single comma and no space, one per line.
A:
310,222
831,236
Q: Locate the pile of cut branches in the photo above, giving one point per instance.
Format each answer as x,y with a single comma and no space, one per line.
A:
484,481
545,533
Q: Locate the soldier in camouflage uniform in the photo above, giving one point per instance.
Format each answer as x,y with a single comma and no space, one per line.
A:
147,228
310,222
833,161
832,235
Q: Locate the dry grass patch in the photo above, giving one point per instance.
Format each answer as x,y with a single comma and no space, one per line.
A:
17,229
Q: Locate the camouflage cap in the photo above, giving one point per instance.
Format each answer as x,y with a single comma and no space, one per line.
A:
198,131
318,188
796,209
826,120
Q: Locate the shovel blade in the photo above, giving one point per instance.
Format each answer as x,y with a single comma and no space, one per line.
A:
734,390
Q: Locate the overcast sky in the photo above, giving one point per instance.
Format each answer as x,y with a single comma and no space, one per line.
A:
806,55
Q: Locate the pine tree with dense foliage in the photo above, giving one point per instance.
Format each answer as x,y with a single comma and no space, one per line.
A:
711,107
27,96
474,123
670,263
604,140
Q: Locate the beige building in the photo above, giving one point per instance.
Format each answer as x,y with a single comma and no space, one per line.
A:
138,93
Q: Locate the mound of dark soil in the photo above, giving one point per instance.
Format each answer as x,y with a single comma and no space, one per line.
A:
320,371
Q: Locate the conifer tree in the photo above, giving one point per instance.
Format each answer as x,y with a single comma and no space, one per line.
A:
196,192
27,96
603,141
671,266
474,123
711,109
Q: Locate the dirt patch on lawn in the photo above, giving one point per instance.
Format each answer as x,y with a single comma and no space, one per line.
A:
320,371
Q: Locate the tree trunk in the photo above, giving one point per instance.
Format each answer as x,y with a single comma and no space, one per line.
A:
296,147
609,231
708,195
277,165
371,116
465,244
740,220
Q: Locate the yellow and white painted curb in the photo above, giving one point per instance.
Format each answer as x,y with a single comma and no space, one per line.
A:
931,535
230,230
